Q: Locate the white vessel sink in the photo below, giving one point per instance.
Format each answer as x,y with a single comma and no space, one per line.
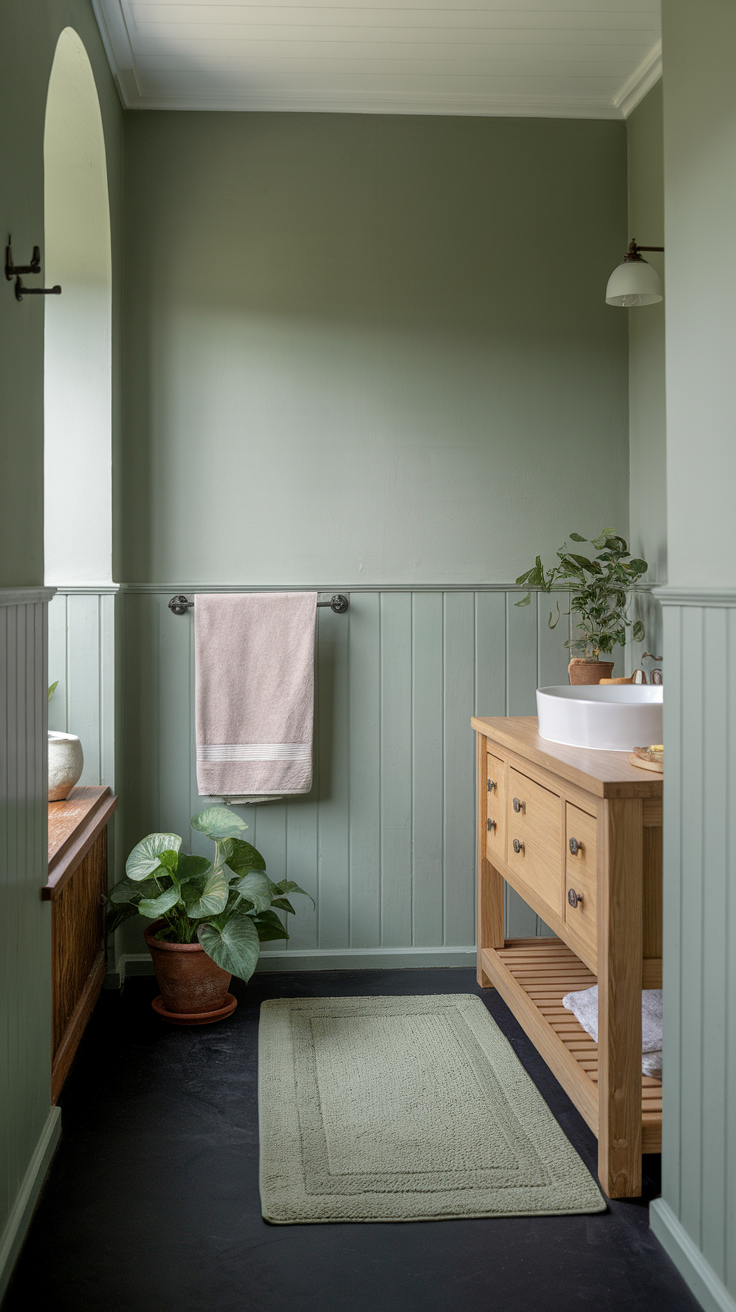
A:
613,718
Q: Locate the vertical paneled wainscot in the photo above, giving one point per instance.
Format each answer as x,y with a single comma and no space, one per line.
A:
694,1216
384,842
30,1124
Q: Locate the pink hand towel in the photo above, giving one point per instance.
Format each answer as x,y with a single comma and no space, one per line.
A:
254,678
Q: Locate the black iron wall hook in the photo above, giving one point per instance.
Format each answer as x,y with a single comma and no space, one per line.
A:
15,270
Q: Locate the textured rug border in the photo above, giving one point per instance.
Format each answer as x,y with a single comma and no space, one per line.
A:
284,1196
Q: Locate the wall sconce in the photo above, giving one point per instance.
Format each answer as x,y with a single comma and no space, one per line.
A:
634,282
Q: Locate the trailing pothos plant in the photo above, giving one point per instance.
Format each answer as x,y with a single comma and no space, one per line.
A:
228,904
598,586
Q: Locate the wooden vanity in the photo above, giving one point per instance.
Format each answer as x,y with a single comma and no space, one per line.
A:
76,888
578,834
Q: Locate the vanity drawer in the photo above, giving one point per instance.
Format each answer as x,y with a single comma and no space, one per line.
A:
495,809
533,848
581,883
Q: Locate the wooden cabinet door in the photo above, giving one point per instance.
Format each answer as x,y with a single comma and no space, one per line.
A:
533,848
581,884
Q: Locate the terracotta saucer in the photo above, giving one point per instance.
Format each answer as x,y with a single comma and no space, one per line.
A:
195,1017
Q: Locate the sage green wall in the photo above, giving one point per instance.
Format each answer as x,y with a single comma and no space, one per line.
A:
696,1216
647,431
365,348
700,213
29,36
28,1125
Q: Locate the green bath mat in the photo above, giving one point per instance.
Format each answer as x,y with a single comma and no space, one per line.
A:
405,1109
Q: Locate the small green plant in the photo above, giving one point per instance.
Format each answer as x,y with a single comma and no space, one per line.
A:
229,904
598,588
52,688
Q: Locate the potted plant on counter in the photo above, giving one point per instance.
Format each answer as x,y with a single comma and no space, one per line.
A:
209,917
598,601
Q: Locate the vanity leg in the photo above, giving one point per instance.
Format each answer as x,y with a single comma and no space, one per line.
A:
489,891
620,877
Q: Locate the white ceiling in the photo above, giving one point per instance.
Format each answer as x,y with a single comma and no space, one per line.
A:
558,58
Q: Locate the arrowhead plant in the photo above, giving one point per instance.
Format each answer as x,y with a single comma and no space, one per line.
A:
225,904
598,587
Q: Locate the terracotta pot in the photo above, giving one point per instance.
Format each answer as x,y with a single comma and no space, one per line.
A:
582,671
190,981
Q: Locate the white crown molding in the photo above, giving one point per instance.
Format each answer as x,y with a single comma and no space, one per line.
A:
119,50
325,102
641,81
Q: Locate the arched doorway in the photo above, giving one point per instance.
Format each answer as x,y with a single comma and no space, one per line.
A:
78,365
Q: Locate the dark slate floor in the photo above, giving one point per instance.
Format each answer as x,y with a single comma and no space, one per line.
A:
152,1200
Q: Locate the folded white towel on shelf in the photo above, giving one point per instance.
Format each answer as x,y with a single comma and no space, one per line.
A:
584,1007
254,680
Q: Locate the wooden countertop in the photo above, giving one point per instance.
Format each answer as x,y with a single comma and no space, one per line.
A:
606,774
73,827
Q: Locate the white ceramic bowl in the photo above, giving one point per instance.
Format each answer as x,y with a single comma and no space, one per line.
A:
66,762
614,717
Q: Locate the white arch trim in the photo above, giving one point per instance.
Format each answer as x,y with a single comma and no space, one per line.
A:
78,326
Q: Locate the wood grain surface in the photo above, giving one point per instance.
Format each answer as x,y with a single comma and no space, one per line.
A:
605,774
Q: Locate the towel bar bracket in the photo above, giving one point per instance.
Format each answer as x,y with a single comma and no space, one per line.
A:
339,603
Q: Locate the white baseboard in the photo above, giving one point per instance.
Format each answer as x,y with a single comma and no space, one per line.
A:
707,1287
22,1211
139,963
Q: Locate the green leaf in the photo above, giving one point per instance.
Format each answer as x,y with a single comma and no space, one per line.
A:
244,857
125,890
235,947
283,904
154,907
638,631
207,897
268,933
288,886
191,867
258,888
218,822
637,566
146,855
575,537
525,600
169,860
52,688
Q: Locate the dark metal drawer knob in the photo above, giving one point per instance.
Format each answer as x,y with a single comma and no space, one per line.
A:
573,897
575,846
490,824
518,847
518,805
491,785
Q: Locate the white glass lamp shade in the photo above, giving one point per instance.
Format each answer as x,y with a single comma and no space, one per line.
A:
634,282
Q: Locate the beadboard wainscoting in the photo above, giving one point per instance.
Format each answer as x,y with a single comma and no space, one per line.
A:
699,1109
31,1125
385,842
82,659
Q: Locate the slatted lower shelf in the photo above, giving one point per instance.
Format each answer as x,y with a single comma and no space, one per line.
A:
532,976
